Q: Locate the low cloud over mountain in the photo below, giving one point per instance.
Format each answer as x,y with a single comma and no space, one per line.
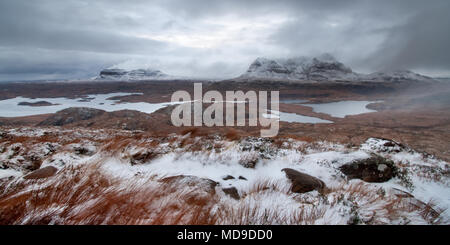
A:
52,39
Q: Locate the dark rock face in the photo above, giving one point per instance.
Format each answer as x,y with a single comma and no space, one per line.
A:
112,72
42,173
228,177
232,192
302,182
71,115
375,169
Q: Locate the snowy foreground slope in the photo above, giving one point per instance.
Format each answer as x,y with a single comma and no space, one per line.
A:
123,177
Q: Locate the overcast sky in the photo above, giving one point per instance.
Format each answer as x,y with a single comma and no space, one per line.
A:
47,39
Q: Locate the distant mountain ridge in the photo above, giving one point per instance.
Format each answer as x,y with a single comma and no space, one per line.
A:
322,68
133,75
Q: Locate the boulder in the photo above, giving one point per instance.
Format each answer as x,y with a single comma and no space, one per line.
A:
375,169
232,192
42,173
228,177
195,182
242,178
302,182
199,190
249,159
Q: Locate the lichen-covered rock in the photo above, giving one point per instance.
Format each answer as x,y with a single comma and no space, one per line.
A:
203,184
249,159
374,169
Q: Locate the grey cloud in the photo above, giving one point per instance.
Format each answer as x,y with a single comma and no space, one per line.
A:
32,25
421,43
78,37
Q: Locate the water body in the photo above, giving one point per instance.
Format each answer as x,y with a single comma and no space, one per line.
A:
342,108
294,118
10,107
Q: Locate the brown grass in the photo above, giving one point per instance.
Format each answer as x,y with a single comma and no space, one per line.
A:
86,195
232,134
83,195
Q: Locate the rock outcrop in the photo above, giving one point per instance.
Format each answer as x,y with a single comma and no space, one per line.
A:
375,169
71,115
89,117
302,182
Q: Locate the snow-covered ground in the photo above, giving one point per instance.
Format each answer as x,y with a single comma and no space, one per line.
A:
135,165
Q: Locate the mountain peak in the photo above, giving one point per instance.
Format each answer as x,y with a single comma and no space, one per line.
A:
323,67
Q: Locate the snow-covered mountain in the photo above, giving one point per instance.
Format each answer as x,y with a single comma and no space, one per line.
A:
396,75
322,68
126,75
